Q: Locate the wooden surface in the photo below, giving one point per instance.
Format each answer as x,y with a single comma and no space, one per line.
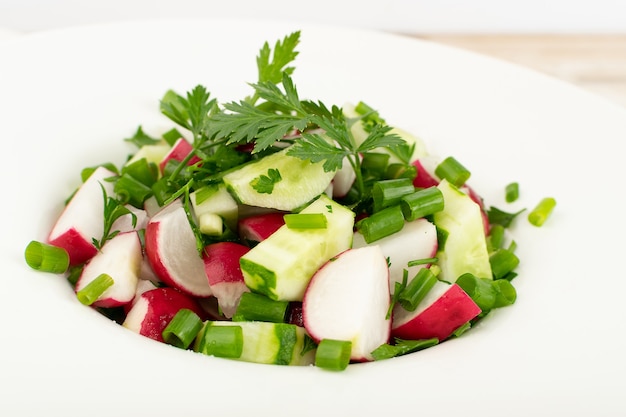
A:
594,62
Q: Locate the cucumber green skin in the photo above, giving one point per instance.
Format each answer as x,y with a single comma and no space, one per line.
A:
270,343
281,266
465,248
301,182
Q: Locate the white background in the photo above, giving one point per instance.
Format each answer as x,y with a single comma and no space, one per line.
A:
408,16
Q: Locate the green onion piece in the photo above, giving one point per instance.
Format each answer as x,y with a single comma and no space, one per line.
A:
502,262
505,293
380,224
422,203
462,329
222,341
496,236
424,261
402,347
306,220
74,274
182,329
511,192
143,171
375,163
452,170
132,190
46,258
397,170
542,211
480,290
257,307
417,289
94,289
389,192
333,354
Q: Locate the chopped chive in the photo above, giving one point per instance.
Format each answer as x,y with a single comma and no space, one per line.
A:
94,289
480,290
397,170
132,190
416,289
422,203
375,163
381,224
542,211
333,355
505,293
502,262
389,192
511,192
496,236
182,329
222,341
450,169
257,307
306,221
424,261
46,258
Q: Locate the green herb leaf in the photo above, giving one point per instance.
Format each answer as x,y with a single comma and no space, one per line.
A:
503,218
264,184
140,138
271,67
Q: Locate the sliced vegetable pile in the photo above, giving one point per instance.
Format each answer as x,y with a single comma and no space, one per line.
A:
282,230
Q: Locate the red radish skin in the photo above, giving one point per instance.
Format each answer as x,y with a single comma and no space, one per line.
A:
259,227
221,264
154,310
121,259
425,167
179,152
83,218
170,247
348,299
439,318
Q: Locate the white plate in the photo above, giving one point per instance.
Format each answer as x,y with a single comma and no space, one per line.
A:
68,99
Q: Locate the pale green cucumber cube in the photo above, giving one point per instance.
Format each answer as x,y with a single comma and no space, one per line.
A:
282,265
301,181
214,200
465,247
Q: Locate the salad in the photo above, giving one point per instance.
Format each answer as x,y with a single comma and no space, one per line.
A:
282,230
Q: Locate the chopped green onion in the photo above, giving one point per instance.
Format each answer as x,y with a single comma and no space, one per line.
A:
375,163
422,203
502,262
381,224
402,347
424,261
505,293
398,170
257,307
306,220
511,192
46,258
94,289
182,329
416,289
389,192
496,236
222,341
333,355
171,136
132,190
451,170
542,211
462,329
143,171
480,290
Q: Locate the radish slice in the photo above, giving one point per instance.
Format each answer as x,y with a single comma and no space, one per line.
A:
120,258
171,250
348,299
178,152
83,218
444,309
259,227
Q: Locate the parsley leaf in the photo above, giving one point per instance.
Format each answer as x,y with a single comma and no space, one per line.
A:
190,112
113,210
271,67
264,184
140,138
503,218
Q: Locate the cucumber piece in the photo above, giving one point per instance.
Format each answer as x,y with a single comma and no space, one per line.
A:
465,247
300,182
214,200
281,266
269,343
